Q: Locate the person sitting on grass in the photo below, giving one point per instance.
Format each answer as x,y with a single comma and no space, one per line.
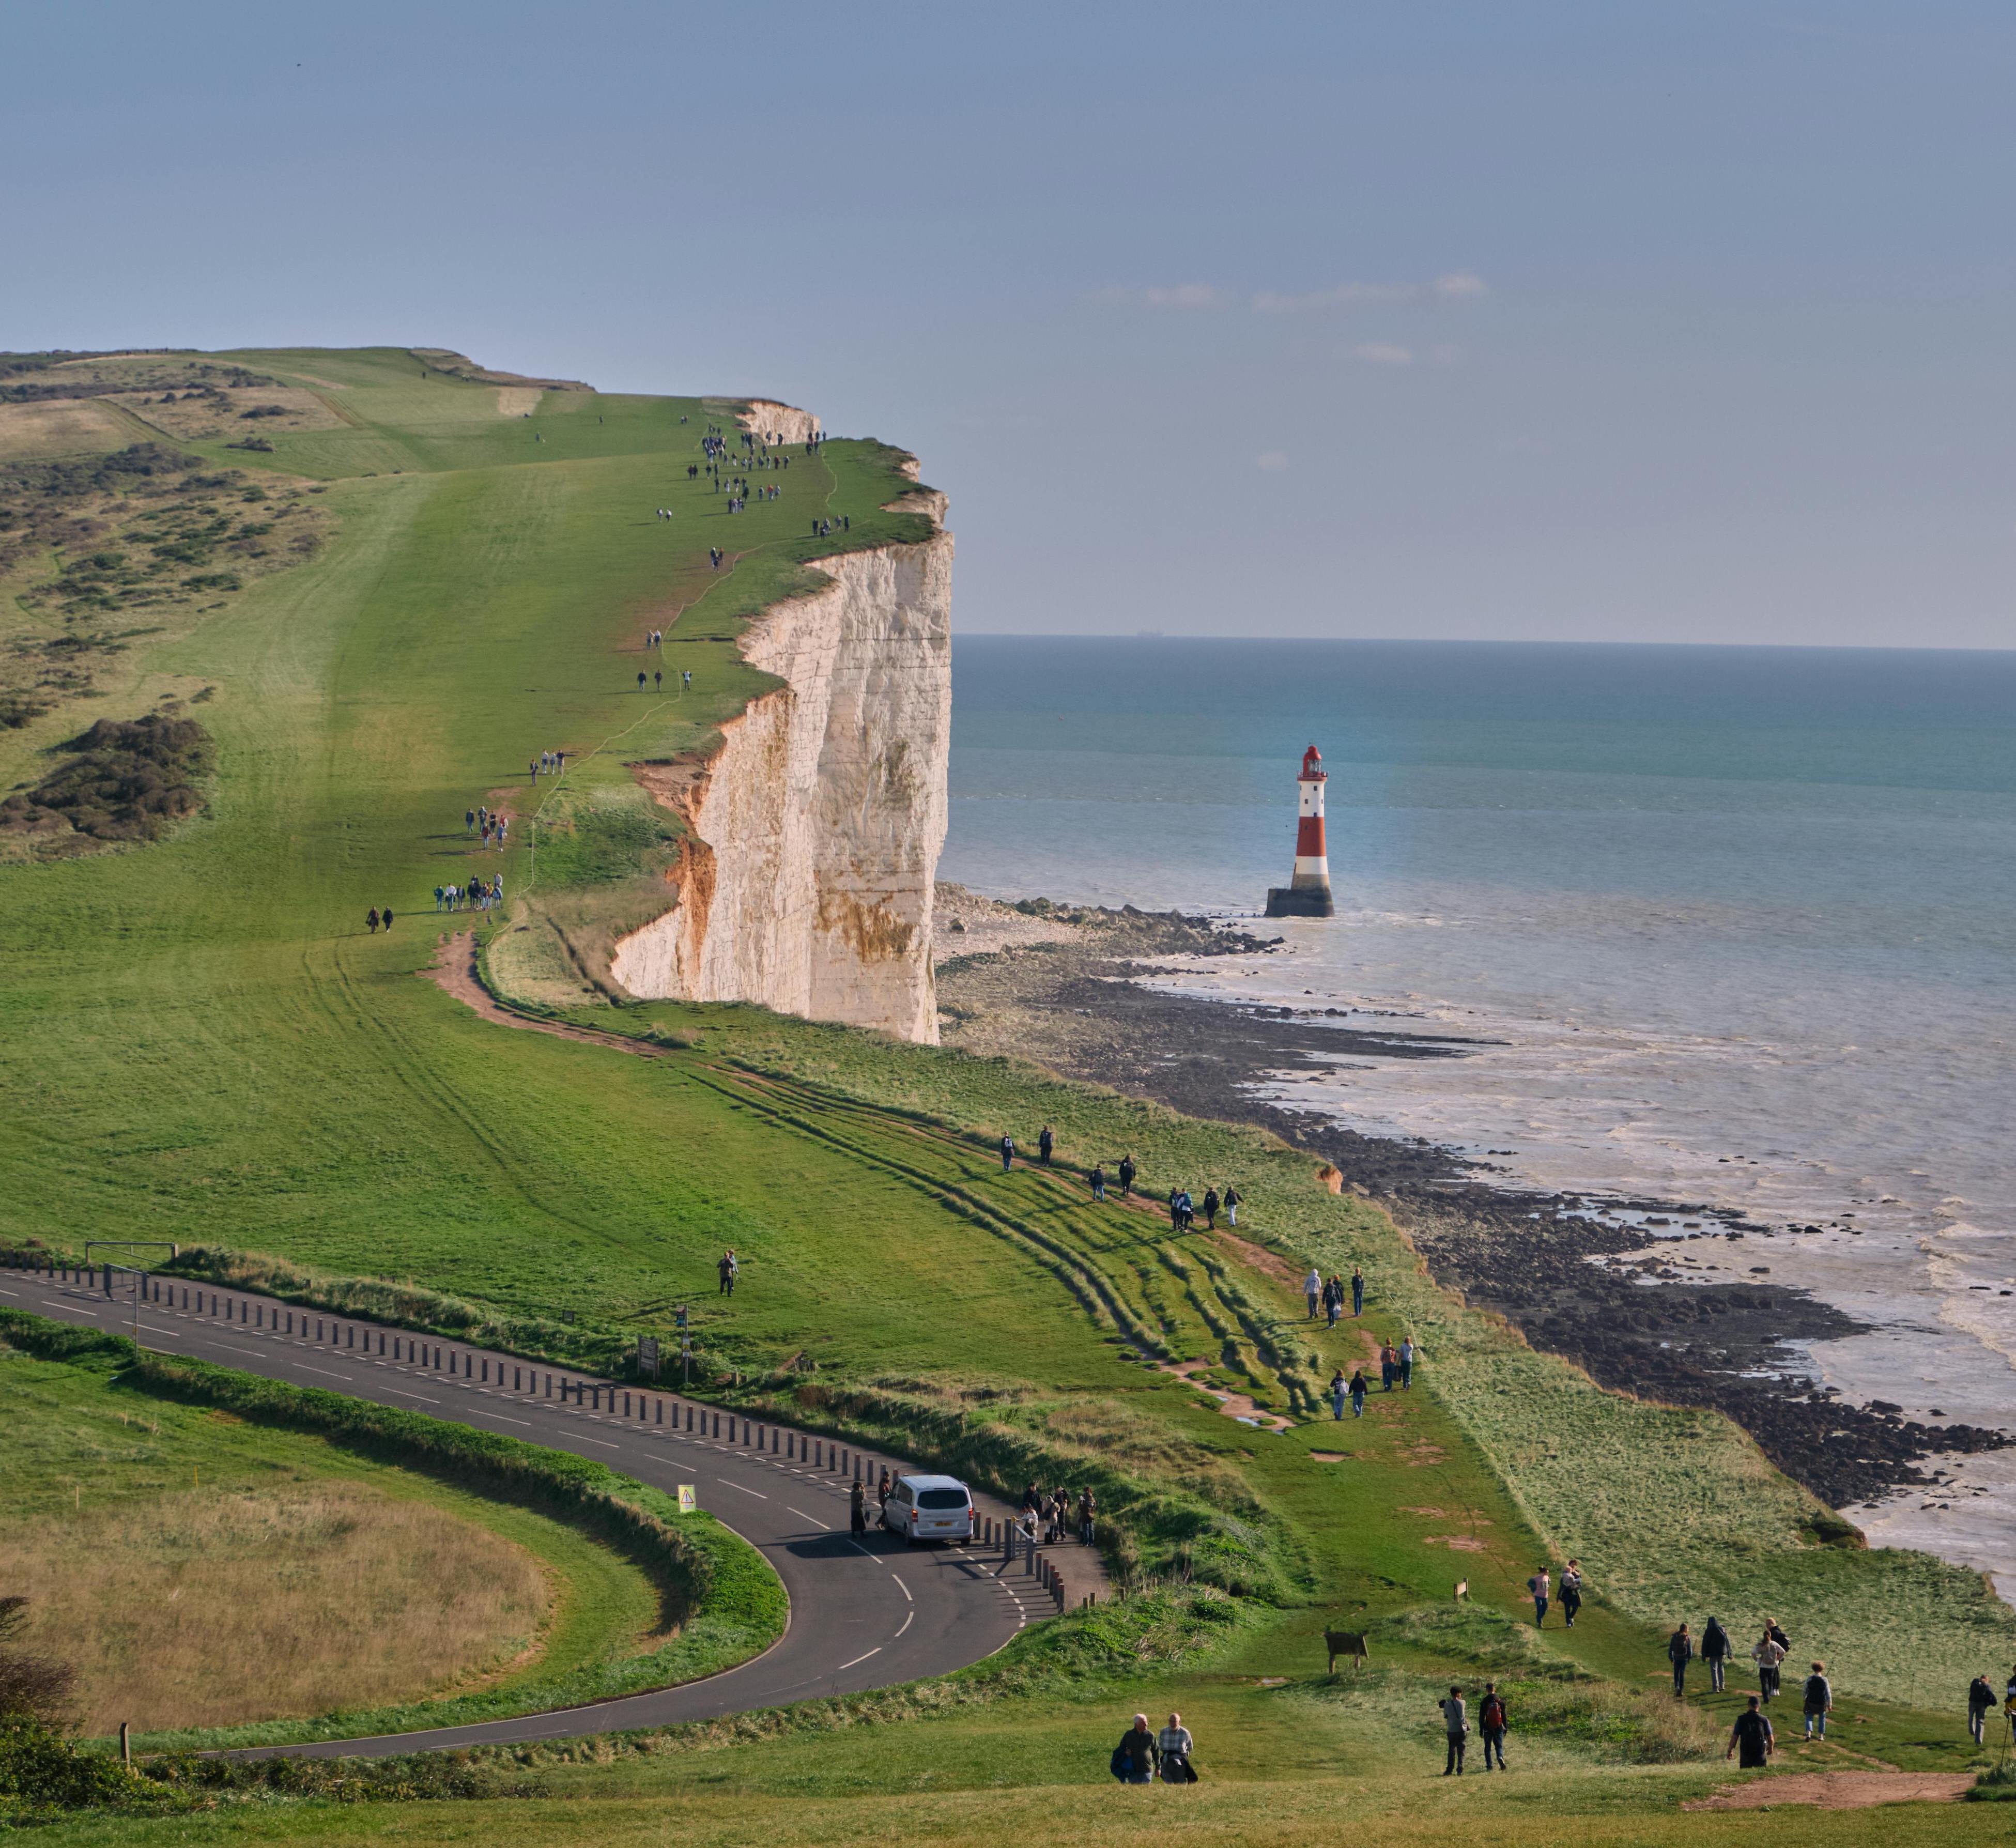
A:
1752,1734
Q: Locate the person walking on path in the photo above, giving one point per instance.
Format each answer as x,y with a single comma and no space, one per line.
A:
1134,1758
1211,1203
857,1510
1045,1143
469,821
1980,1699
1313,1289
1767,1654
1358,1393
1819,1701
1752,1734
1410,1352
1715,1651
1087,1510
1543,1588
1570,1591
1455,1724
1231,1204
371,920
1357,1291
1007,1153
1098,1183
1388,1361
1492,1723
1126,1171
728,1269
385,916
1173,1744
1339,1391
439,893
1679,1652
1333,1299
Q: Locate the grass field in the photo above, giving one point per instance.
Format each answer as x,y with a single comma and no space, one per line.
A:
200,1039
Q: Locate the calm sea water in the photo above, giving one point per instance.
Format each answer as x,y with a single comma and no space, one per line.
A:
1745,920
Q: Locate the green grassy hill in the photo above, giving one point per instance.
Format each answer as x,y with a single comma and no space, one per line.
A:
199,1041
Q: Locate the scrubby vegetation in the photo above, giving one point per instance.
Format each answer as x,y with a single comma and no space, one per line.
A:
126,779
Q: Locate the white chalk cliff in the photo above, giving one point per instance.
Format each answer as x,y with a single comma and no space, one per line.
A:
806,881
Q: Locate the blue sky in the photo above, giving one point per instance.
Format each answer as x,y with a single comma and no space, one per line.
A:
1685,323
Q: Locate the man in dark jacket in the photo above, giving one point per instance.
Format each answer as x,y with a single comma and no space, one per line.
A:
1045,1143
1491,1722
1134,1758
1126,1171
1679,1652
1752,1732
1715,1651
1980,1702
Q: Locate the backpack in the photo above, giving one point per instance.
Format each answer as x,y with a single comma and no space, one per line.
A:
1491,1716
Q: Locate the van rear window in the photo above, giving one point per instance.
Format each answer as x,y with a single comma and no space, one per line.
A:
941,1498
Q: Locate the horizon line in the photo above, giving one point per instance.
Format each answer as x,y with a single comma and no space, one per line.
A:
1046,635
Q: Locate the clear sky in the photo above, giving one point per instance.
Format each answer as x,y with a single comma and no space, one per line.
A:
1680,322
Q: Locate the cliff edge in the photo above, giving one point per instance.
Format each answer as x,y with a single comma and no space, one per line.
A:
805,879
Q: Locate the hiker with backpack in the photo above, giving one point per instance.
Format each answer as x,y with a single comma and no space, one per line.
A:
1679,1652
1819,1701
1492,1723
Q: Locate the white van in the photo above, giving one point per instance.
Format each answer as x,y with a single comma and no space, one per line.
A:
928,1507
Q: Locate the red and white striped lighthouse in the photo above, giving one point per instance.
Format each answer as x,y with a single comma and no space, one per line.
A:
1308,893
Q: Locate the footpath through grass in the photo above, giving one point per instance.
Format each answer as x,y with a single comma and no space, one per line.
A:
199,1039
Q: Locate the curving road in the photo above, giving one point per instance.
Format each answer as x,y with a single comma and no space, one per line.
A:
864,1613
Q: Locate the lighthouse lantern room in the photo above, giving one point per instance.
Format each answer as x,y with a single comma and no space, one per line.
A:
1308,893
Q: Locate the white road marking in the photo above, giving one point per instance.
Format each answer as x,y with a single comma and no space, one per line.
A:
323,1370
759,1497
905,1589
845,1665
907,1621
803,1516
421,1396
501,1419
586,1440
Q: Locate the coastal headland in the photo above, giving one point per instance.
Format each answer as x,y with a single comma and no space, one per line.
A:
626,713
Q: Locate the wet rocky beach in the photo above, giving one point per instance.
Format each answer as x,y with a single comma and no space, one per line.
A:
1614,1297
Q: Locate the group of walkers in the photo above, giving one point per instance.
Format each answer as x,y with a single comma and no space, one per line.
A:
375,917
727,1267
1494,1720
1545,1594
1143,1755
1047,1517
1325,1295
494,826
822,529
548,763
1183,1210
478,894
1396,1368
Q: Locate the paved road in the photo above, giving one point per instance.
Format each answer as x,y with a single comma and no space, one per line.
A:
864,1613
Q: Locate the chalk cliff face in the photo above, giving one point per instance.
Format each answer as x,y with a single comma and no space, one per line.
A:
806,883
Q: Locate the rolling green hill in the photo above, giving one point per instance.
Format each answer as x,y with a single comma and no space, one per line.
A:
200,1041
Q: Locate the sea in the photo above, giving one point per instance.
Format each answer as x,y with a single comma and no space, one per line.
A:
1738,925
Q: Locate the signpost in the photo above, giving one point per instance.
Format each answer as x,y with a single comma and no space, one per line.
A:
686,1346
647,1356
689,1500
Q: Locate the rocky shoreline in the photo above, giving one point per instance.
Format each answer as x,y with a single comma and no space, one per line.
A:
1060,984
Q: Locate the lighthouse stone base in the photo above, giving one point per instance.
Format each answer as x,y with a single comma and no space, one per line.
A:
1300,901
